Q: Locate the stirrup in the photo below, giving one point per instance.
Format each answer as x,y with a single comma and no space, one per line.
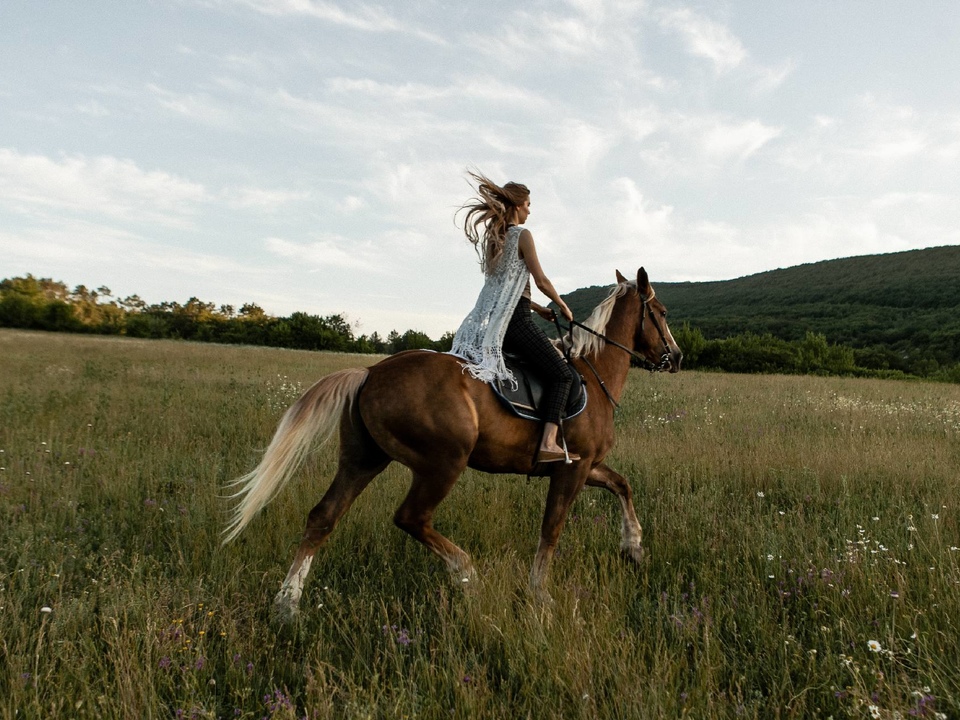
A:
568,458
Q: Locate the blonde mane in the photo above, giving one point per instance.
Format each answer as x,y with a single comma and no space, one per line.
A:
585,343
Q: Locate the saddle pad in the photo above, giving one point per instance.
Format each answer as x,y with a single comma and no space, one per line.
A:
526,399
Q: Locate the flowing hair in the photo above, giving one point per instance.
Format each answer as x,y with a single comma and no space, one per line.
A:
488,216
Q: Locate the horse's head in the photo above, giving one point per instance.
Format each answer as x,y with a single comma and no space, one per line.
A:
653,339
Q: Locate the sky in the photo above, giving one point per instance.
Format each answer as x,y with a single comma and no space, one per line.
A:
310,155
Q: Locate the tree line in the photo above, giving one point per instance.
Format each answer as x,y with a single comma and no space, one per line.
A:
45,304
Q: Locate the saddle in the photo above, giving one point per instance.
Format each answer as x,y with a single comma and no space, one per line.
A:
525,401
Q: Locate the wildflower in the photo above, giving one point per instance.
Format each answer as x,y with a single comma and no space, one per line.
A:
935,516
874,711
165,662
769,557
874,646
760,494
46,609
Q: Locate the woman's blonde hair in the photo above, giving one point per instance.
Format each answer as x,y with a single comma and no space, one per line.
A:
488,216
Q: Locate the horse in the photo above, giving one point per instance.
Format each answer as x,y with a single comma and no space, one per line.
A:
422,409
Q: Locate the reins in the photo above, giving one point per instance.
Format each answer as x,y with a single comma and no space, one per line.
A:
642,361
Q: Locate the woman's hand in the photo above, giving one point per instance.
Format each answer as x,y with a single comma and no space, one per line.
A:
565,311
544,312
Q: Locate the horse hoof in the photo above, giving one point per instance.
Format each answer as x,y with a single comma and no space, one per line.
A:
633,552
542,598
283,613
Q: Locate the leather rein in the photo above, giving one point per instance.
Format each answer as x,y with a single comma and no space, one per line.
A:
645,311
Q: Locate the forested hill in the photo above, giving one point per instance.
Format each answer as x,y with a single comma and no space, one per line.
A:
897,305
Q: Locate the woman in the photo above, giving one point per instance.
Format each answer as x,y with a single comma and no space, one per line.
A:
501,318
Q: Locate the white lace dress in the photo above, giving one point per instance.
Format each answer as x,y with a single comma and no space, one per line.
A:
479,341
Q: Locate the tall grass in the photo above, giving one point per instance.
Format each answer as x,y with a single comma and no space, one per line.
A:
801,536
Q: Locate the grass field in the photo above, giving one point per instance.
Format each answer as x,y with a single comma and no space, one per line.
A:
801,534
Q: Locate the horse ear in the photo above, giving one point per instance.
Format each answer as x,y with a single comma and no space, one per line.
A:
620,278
643,282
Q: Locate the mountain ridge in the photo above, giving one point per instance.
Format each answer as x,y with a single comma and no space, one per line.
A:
904,303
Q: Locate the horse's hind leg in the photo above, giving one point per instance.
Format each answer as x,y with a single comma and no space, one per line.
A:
631,534
415,516
357,467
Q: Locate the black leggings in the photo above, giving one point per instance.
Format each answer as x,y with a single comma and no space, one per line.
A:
524,338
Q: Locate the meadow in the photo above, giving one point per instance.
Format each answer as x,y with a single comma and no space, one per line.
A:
801,537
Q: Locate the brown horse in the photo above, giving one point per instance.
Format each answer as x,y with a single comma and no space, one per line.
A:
421,409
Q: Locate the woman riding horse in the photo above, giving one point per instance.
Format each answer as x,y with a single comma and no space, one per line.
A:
422,410
501,318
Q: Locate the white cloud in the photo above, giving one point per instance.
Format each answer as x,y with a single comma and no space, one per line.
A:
635,217
360,16
872,141
333,251
97,186
262,199
479,87
705,38
199,107
737,141
766,79
350,204
78,251
92,108
578,146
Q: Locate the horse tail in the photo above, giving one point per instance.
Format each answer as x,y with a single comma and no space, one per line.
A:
315,414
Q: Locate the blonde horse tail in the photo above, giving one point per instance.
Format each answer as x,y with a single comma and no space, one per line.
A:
314,415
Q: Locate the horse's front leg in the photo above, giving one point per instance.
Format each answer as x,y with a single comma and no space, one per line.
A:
631,534
566,482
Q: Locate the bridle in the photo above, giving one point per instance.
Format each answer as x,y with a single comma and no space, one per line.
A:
645,312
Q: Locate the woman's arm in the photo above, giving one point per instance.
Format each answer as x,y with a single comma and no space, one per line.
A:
528,251
544,312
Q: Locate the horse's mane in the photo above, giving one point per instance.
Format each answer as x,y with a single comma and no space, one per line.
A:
585,343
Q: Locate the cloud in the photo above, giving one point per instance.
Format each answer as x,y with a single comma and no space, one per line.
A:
92,108
478,87
705,38
360,16
199,107
97,186
636,218
261,199
333,251
78,251
874,142
680,144
736,140
579,147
